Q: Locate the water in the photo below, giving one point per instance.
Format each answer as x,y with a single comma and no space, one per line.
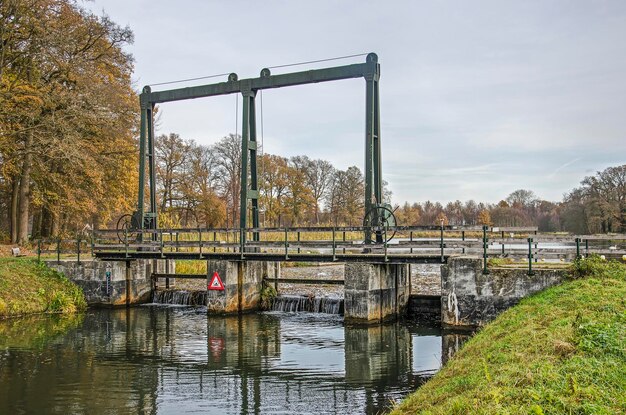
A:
172,360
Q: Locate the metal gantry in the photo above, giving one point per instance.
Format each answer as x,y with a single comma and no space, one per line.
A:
146,217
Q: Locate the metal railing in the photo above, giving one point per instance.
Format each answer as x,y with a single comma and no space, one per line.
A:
515,243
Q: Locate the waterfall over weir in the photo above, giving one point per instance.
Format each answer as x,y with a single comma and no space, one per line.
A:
179,297
293,303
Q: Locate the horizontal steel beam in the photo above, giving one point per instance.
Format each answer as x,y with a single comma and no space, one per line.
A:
305,281
359,70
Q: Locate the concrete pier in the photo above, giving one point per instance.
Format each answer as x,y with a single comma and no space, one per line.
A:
243,281
375,292
471,298
113,283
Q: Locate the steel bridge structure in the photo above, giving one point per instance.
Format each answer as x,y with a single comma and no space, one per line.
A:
146,216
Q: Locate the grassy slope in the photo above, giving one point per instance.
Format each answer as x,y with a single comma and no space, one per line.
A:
562,351
30,287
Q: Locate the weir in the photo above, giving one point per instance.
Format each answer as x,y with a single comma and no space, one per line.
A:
373,292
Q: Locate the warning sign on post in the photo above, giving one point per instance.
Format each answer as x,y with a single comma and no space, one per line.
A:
216,283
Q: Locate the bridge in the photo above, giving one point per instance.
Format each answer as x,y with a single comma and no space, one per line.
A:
377,255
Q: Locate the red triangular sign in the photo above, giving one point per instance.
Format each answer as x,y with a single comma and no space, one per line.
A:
216,283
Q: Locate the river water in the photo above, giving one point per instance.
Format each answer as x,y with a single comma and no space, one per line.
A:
172,360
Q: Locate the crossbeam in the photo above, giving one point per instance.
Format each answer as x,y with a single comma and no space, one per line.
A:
147,218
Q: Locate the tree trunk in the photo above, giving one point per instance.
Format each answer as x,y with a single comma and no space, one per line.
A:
24,192
14,208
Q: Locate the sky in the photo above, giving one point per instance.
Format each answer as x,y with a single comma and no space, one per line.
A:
478,98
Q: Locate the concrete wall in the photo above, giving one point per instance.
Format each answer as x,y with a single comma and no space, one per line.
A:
130,284
471,298
375,292
243,282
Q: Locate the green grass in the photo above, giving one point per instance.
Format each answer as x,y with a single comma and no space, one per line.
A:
27,287
562,351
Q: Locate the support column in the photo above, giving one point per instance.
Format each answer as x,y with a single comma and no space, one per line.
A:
248,157
147,218
375,292
243,281
373,170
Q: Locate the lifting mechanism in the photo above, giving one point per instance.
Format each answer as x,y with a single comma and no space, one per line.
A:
377,216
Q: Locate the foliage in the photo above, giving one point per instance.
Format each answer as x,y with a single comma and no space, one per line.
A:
560,351
27,286
68,114
268,294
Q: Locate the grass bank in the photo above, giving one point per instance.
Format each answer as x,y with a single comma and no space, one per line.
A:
562,351
27,286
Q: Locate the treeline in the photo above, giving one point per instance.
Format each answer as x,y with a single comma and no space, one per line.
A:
68,115
597,206
199,186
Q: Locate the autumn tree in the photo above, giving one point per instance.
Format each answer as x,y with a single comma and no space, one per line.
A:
67,116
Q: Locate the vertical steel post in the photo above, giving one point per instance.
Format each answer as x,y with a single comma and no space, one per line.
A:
200,241
373,180
143,134
411,241
587,247
153,223
441,242
485,241
530,256
286,244
577,248
58,249
334,247
126,242
248,156
38,250
298,241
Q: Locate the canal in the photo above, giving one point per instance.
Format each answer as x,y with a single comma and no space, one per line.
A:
171,360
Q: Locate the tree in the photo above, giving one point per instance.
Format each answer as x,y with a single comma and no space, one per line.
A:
68,110
484,218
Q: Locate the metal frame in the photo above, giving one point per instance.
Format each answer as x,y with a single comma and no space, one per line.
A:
248,88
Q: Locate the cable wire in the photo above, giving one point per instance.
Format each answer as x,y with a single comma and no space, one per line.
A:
317,61
190,79
269,67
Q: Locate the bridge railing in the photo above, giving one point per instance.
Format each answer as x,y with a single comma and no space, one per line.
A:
514,243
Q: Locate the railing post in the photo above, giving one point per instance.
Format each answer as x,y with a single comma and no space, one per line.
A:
344,242
200,242
58,249
334,246
177,248
241,243
441,242
214,241
92,243
38,250
530,256
485,241
286,244
411,241
587,247
126,242
161,243
298,241
78,250
577,248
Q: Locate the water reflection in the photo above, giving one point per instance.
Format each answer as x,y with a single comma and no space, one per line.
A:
166,360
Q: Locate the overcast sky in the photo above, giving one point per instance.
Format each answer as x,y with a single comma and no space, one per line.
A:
478,98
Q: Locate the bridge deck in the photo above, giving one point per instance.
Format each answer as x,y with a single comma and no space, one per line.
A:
279,257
